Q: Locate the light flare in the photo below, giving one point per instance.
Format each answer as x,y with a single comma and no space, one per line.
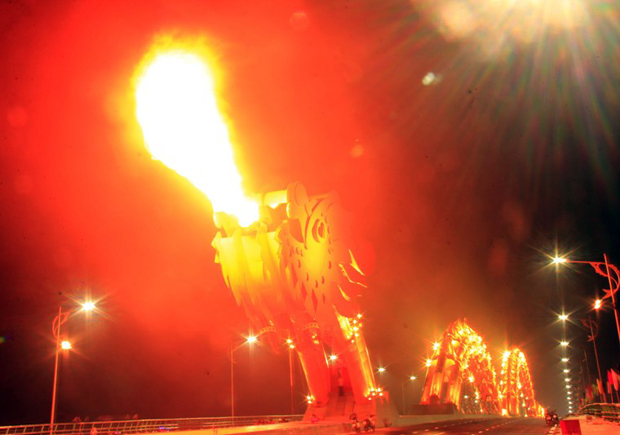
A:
176,107
496,21
88,306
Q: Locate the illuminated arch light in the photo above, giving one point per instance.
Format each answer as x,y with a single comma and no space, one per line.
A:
463,355
516,384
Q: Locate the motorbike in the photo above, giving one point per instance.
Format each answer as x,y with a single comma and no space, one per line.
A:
356,425
552,419
368,425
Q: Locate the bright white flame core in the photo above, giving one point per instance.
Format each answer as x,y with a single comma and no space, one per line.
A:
182,127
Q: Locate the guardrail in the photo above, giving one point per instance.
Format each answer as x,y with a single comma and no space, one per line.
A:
121,427
606,411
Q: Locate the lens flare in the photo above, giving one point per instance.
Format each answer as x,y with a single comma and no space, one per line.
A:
177,109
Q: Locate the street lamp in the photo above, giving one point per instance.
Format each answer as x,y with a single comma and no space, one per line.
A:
563,343
58,321
251,339
607,270
563,317
291,348
411,378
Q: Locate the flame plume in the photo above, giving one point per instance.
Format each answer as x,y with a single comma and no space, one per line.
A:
182,127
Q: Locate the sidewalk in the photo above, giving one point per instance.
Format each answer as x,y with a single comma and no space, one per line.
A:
596,426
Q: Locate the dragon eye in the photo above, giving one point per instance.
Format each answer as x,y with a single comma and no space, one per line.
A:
318,231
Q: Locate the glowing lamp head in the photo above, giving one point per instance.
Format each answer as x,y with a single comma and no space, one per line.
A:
413,378
428,362
381,369
598,304
564,343
252,339
88,306
182,127
563,317
566,370
564,359
559,260
65,345
333,357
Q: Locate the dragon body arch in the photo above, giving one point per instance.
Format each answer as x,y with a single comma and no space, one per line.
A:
462,357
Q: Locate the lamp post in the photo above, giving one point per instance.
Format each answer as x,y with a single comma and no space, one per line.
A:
249,340
402,387
291,347
58,321
607,270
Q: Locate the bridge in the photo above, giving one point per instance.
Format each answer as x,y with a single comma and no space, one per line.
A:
292,262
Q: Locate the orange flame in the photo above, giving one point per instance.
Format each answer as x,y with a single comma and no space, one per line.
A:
182,127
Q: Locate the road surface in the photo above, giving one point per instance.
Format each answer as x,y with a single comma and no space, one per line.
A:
491,426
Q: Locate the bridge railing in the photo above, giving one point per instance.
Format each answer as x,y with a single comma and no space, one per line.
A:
122,427
606,411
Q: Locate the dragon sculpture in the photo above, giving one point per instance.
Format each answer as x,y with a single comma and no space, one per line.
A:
295,274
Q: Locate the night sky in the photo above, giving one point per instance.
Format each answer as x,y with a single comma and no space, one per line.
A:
463,182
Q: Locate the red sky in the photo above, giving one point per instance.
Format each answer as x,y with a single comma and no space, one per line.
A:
326,93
